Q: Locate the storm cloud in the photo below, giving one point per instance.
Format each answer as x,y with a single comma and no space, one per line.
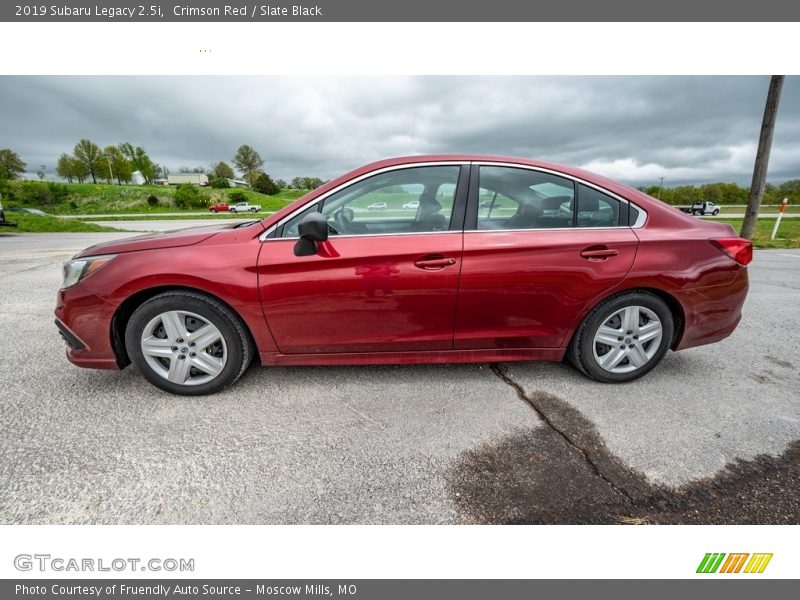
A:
634,129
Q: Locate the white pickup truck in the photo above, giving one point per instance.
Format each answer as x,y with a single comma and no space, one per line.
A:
241,207
701,208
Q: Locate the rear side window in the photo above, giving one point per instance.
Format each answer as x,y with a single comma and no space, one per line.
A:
514,198
596,209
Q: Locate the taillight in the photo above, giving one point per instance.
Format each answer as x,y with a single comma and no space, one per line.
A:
738,249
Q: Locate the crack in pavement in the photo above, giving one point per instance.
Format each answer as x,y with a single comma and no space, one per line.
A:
502,373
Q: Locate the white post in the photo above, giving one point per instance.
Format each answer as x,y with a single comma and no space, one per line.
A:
780,216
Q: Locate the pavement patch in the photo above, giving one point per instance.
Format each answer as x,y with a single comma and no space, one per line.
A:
565,474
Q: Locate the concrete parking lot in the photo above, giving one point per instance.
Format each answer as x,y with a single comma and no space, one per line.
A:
707,437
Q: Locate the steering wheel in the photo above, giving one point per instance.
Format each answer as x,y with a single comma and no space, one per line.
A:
343,219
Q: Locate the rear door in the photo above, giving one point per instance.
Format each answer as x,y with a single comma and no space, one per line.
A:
538,249
386,280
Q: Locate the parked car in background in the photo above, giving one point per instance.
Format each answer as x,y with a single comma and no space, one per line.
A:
3,222
241,207
413,205
28,211
701,208
377,206
579,268
220,207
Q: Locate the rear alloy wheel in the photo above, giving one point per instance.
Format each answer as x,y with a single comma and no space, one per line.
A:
186,343
623,338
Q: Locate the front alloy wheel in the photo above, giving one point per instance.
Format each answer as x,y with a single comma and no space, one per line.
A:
183,348
187,343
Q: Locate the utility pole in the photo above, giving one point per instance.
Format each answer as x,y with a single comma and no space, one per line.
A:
762,157
110,170
660,183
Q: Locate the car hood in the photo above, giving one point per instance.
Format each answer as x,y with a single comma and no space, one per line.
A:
154,241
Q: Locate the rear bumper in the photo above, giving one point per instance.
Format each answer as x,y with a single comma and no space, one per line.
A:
712,313
83,320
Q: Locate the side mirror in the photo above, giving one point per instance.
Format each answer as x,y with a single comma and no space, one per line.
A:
312,228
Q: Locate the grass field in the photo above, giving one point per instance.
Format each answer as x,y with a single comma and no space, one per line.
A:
87,199
788,233
34,224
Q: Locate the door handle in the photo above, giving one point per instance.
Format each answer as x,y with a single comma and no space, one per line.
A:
598,253
434,262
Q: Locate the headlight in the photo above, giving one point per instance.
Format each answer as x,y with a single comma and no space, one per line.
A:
78,269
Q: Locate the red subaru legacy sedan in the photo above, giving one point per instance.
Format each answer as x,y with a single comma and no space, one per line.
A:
472,258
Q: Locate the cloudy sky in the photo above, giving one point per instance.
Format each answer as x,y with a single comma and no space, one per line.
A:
634,129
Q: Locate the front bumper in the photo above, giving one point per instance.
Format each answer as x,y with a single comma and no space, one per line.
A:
84,321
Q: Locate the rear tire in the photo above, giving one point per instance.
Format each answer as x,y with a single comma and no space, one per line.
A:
187,343
638,328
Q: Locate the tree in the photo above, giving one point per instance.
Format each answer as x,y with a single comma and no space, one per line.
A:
89,155
223,170
11,165
65,167
306,183
79,169
188,196
248,161
789,187
41,172
119,166
281,184
264,184
139,161
762,157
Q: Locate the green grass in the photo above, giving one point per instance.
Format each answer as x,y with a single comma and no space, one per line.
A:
35,224
88,198
788,232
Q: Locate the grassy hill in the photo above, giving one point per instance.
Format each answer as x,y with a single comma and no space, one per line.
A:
88,198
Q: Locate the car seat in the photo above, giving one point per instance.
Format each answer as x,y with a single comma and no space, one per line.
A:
428,217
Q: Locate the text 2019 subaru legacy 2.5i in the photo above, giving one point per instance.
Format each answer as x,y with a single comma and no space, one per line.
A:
474,258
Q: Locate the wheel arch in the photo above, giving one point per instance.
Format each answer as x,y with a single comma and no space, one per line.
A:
675,308
122,315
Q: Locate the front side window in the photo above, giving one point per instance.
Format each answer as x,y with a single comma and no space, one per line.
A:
416,199
513,198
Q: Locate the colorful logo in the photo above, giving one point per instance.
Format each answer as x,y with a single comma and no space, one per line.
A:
712,562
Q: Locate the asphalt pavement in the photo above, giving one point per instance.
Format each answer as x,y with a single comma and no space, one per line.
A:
522,442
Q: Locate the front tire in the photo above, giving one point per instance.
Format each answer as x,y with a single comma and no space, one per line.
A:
232,210
187,343
623,337
716,212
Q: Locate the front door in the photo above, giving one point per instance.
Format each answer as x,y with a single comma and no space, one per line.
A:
386,279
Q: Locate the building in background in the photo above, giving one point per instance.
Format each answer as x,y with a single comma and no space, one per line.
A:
193,178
